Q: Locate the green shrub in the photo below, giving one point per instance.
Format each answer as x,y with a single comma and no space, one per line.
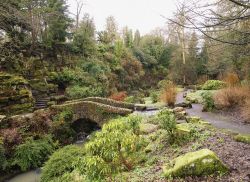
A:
164,83
78,92
130,99
112,150
135,99
154,96
32,153
61,127
213,85
208,102
167,121
61,162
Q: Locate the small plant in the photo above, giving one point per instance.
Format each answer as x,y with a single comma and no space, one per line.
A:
167,121
154,96
213,85
208,102
231,79
32,153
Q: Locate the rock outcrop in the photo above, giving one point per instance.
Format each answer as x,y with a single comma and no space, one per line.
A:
15,95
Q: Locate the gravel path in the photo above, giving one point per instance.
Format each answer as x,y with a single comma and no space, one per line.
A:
216,119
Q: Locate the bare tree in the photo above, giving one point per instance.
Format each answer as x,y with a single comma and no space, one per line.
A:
214,19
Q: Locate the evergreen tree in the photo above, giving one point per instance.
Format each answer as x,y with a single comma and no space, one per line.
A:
84,37
57,22
137,38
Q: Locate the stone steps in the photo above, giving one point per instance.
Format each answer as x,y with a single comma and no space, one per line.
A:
41,103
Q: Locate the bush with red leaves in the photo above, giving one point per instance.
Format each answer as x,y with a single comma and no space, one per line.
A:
11,138
120,96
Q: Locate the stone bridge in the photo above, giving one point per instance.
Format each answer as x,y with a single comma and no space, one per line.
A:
97,109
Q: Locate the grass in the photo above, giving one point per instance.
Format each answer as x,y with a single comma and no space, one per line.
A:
168,94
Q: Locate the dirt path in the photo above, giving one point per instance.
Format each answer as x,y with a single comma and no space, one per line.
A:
216,119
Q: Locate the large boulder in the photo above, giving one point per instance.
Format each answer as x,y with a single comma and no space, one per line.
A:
199,163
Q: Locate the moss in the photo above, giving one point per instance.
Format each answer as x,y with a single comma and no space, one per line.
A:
193,119
245,138
10,80
15,97
147,128
183,129
202,162
41,86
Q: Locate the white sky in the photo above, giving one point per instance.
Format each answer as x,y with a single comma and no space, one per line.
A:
143,15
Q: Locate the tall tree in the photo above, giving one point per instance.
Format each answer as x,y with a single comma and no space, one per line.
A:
127,37
84,37
57,23
137,38
111,29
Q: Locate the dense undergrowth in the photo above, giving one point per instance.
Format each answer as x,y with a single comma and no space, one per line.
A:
120,149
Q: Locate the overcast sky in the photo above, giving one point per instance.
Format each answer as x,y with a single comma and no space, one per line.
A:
136,14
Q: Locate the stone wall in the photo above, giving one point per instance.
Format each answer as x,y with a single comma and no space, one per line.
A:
107,101
97,112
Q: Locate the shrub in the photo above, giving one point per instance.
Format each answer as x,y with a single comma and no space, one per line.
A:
231,79
120,96
114,149
135,99
213,85
61,162
167,121
208,102
231,97
168,94
61,127
164,83
11,138
32,153
78,92
154,96
41,122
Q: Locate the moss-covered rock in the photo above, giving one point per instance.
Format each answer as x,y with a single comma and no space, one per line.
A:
147,128
242,138
183,129
15,95
202,162
193,119
196,120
